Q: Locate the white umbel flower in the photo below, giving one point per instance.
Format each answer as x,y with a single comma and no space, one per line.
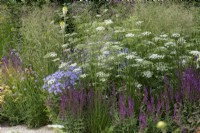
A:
83,75
51,81
50,55
146,33
129,35
195,52
156,56
73,65
102,75
107,22
100,28
139,22
176,35
148,74
170,44
62,65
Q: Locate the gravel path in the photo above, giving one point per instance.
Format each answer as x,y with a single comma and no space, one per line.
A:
24,129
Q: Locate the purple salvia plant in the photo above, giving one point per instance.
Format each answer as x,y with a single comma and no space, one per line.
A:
15,60
64,101
191,84
149,107
142,120
90,97
82,100
5,64
130,106
122,108
167,105
145,99
158,107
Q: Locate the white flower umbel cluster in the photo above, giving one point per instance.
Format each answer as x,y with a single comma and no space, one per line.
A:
181,40
50,55
98,15
139,22
83,75
100,28
156,39
163,35
161,66
170,44
57,59
73,65
65,45
175,35
130,56
156,56
129,35
102,74
195,52
146,33
51,81
147,74
108,22
139,60
77,70
62,65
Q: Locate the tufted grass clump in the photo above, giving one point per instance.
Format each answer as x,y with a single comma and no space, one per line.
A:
167,17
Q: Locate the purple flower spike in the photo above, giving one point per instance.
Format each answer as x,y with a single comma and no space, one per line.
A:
142,120
145,100
130,106
122,107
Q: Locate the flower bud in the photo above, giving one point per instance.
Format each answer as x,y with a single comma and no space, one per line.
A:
62,25
65,10
161,125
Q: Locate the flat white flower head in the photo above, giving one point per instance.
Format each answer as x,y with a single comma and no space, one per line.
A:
51,81
50,55
100,28
62,65
98,15
129,35
170,44
139,22
164,35
57,59
107,22
146,33
73,65
76,70
83,75
156,56
147,74
195,52
176,35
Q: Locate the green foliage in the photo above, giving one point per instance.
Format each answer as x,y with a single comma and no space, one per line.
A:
40,36
6,29
98,118
167,18
128,46
126,126
25,102
190,116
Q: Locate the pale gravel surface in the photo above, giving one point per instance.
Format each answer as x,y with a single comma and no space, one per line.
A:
24,129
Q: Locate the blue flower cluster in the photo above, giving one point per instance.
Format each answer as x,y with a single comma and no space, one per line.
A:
62,79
